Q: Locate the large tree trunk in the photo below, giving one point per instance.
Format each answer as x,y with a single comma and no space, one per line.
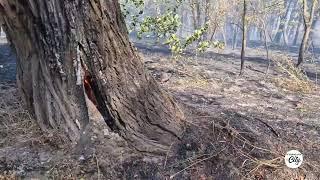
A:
63,46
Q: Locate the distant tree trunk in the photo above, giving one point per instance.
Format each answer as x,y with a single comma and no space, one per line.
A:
183,21
266,47
1,31
244,36
308,20
285,37
249,33
195,9
224,34
310,43
294,15
290,17
61,46
314,23
198,14
283,23
235,37
291,33
213,33
303,45
296,36
207,17
275,28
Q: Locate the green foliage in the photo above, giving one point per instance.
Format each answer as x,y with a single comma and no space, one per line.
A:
204,45
175,44
195,36
162,26
132,10
178,46
127,6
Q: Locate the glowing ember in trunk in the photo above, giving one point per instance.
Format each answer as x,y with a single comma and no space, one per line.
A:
88,88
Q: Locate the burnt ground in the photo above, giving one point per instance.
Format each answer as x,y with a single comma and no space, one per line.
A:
237,127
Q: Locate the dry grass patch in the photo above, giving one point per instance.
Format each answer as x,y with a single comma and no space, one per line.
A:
8,177
16,124
193,75
195,81
294,79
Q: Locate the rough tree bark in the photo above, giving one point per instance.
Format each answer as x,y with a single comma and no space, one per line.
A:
308,20
57,41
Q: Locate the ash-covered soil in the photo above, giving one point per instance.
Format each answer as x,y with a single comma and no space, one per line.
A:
237,127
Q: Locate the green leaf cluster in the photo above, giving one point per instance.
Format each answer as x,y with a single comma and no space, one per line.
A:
178,46
162,26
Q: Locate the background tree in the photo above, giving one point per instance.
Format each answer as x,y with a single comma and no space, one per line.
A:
244,36
281,32
261,13
308,17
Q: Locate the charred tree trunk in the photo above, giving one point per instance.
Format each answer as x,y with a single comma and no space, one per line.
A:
67,48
